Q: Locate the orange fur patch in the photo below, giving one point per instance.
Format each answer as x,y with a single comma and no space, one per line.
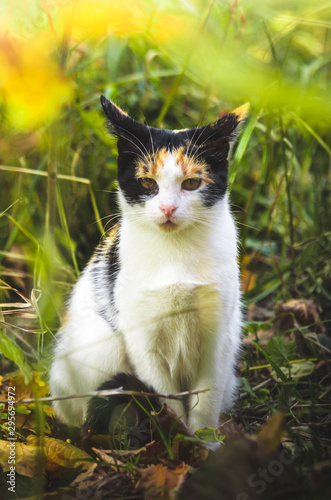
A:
107,243
191,168
152,165
120,110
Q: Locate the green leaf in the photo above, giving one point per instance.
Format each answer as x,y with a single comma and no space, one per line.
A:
22,409
280,352
297,370
181,438
210,434
246,387
274,365
12,351
281,375
254,326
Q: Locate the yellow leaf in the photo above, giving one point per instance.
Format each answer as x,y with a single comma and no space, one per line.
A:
25,458
59,455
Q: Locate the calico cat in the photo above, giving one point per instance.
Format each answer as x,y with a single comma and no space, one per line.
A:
159,301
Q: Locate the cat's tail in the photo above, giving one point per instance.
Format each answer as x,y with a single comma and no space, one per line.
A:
123,416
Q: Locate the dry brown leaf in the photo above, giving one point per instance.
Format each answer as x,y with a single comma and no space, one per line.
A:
297,312
229,428
37,388
158,481
147,454
109,456
88,477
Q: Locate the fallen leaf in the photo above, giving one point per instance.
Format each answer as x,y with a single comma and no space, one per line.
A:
161,482
297,312
146,454
61,455
27,458
210,435
229,428
297,370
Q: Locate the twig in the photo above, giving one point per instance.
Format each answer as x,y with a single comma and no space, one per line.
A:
105,393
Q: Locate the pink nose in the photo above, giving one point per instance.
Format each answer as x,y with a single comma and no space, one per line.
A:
168,210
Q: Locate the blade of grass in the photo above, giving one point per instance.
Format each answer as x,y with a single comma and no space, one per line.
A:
72,178
279,372
64,224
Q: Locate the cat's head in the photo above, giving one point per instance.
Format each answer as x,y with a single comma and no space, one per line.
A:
171,179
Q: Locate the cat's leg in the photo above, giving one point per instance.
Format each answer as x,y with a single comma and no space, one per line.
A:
151,368
216,373
87,354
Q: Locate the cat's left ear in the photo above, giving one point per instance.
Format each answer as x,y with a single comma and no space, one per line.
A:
129,132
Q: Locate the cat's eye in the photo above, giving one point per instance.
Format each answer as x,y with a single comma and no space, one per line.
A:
147,183
191,184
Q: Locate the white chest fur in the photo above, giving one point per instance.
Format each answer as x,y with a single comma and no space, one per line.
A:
169,296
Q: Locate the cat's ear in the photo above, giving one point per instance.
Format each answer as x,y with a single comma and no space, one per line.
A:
213,142
130,133
224,130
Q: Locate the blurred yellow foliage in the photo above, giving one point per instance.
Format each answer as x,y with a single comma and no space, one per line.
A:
102,18
37,36
90,17
32,85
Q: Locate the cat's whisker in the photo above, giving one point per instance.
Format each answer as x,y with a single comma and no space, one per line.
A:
190,141
248,225
143,158
198,154
193,157
112,216
113,191
132,135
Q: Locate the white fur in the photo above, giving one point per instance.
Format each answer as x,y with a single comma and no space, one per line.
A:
178,302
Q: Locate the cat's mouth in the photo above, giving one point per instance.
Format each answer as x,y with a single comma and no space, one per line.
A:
168,225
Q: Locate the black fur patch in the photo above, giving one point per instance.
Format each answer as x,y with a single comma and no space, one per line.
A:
105,269
104,413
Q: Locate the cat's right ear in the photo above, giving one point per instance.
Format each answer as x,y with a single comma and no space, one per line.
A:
129,132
